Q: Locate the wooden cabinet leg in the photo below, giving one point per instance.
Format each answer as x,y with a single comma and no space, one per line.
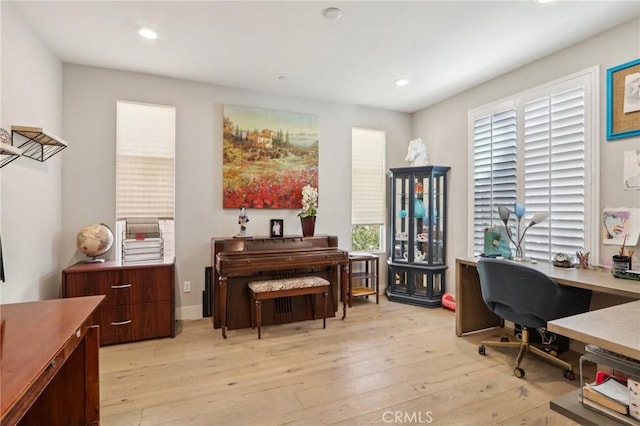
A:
259,317
223,306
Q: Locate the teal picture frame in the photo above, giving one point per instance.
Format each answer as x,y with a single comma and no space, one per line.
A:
617,128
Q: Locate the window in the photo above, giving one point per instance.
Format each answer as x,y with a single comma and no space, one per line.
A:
368,205
539,148
145,154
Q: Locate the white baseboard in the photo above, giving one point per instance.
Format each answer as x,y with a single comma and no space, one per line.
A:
192,312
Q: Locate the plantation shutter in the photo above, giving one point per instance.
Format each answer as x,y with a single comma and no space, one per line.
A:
368,178
554,172
145,160
494,168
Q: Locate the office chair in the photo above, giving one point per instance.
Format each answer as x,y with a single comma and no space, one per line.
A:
521,294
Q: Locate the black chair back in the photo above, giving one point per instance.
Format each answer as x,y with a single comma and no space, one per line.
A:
521,294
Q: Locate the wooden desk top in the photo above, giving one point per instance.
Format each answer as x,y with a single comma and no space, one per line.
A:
33,334
616,328
601,281
112,264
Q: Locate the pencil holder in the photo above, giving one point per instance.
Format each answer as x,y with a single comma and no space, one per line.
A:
621,263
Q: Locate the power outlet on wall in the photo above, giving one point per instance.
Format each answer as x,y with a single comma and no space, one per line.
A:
187,286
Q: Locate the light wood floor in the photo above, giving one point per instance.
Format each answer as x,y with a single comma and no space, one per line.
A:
383,361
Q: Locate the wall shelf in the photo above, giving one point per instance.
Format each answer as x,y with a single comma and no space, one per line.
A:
8,153
35,143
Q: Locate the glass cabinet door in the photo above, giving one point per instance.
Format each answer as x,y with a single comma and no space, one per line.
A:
419,218
430,219
401,218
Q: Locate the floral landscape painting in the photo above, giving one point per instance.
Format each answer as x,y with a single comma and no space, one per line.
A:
268,156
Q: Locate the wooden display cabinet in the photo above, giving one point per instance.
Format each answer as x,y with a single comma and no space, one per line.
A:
417,235
139,303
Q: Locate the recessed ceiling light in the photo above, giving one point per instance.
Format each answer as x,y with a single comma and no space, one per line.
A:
401,82
147,33
332,13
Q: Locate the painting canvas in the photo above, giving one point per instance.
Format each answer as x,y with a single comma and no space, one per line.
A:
268,156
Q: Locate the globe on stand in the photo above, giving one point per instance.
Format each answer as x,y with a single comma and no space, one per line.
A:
94,240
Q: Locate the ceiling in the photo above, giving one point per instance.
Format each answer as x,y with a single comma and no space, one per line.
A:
289,48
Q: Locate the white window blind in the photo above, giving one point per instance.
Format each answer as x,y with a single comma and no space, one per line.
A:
495,169
539,151
368,179
145,160
554,144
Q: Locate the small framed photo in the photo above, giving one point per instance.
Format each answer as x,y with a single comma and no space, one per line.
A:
276,228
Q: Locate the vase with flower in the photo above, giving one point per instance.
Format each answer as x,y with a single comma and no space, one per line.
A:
309,210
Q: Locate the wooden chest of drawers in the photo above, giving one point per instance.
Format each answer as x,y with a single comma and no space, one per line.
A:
139,303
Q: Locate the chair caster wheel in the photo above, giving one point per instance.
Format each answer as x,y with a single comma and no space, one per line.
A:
569,374
504,339
482,350
518,372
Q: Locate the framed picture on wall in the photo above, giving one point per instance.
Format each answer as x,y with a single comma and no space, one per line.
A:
623,100
268,157
276,227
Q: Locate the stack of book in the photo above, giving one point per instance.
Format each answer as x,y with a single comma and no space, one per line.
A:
610,397
143,250
142,241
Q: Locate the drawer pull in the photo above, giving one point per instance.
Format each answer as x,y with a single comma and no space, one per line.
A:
121,286
121,322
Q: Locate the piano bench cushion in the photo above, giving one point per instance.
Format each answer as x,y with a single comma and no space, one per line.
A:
287,284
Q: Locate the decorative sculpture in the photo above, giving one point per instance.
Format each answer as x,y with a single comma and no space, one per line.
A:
242,221
417,153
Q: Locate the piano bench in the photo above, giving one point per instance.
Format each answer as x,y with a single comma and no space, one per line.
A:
272,289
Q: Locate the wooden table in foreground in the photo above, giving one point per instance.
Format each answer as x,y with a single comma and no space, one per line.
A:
617,329
49,363
472,314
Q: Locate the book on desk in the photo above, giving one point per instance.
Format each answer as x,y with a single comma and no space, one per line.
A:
610,397
610,393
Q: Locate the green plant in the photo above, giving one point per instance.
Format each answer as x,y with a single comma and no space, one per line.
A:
365,238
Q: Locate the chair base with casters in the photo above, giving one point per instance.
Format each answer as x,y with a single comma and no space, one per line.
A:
525,346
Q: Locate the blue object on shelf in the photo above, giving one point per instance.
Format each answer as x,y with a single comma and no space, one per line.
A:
418,208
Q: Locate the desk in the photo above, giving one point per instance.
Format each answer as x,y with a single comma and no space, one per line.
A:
472,314
617,329
50,362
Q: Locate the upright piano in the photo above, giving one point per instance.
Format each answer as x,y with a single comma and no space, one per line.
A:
238,261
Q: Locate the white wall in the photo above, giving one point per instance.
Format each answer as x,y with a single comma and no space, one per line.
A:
88,195
614,47
30,198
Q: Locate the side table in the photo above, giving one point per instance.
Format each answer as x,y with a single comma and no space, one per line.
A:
366,277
